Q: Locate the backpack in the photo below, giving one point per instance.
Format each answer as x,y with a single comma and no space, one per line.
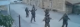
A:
65,18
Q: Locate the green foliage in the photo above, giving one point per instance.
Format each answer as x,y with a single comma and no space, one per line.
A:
6,21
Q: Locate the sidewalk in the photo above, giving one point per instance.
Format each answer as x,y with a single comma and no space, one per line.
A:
16,20
20,10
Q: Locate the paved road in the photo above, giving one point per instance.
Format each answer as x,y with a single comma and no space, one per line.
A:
16,20
20,9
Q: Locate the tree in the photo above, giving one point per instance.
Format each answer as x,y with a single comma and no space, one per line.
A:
6,20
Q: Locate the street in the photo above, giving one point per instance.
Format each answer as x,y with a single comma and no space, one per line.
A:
19,9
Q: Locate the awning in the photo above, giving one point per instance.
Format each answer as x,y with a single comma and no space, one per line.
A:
4,2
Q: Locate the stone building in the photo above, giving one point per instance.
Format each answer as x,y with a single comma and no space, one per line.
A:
58,5
76,8
69,7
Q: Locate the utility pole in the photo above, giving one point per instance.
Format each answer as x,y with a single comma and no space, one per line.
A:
19,21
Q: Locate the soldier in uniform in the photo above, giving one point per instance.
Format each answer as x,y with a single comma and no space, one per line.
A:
33,14
46,12
47,20
65,20
27,12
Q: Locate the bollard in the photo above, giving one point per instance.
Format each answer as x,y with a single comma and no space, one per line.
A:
19,21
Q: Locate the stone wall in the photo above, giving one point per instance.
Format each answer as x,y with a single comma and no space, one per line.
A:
68,9
58,5
28,2
55,4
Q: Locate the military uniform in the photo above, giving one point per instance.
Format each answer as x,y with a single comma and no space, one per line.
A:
46,12
33,14
27,12
47,20
65,20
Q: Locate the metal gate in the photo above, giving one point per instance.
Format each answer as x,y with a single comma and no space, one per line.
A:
76,9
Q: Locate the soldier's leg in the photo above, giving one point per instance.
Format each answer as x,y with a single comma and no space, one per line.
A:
31,19
45,24
34,18
66,24
45,14
48,24
63,24
28,14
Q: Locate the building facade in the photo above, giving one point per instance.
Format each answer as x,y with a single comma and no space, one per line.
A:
4,6
58,5
69,7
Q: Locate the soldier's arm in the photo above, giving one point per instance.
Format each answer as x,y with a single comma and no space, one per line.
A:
50,18
68,18
61,19
25,9
30,10
35,9
44,19
44,11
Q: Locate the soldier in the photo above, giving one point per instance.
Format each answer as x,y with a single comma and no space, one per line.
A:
46,12
33,14
33,8
47,20
27,12
65,20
